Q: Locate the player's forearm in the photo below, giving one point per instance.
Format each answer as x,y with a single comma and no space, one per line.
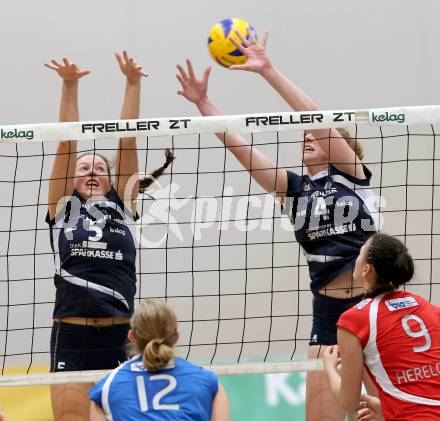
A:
132,100
297,99
207,108
343,397
69,101
291,93
130,110
334,381
68,112
262,169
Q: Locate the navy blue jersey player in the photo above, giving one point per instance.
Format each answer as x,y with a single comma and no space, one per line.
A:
154,384
91,221
331,207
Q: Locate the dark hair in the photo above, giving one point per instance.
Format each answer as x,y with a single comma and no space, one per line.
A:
144,183
391,261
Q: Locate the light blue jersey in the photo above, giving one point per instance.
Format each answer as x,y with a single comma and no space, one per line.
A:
180,392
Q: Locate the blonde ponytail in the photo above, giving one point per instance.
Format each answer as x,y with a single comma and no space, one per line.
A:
353,143
154,324
157,354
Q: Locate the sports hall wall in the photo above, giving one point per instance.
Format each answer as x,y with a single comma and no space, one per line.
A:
344,54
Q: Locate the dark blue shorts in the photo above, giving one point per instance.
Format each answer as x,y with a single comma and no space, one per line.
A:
326,312
78,348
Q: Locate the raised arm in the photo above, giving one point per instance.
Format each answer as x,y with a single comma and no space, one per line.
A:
63,169
331,141
126,162
262,169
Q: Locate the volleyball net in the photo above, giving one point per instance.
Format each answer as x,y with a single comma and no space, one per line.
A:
210,240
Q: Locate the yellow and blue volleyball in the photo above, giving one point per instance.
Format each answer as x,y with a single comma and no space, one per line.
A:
222,50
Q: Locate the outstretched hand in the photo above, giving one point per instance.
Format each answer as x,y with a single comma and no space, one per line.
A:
193,89
255,52
129,67
68,71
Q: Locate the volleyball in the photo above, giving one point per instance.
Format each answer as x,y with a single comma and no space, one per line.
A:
222,50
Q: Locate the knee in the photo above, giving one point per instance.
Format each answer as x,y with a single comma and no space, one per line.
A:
70,402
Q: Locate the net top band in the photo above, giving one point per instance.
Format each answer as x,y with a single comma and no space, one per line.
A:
245,123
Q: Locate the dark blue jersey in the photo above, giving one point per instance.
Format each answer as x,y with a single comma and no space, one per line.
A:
333,215
181,391
94,251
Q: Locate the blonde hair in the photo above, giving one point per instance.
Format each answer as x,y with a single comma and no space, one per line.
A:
154,324
353,143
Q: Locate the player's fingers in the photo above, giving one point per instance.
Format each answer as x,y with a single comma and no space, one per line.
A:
139,69
252,37
49,66
363,415
190,68
328,350
182,82
119,59
66,62
182,72
56,63
238,45
84,73
362,404
265,38
243,40
238,67
206,74
125,54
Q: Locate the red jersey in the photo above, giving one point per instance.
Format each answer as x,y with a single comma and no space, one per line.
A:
400,336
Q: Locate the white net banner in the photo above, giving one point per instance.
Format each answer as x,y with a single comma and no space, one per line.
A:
246,123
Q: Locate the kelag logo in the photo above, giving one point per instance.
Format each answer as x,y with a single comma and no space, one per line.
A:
385,117
16,134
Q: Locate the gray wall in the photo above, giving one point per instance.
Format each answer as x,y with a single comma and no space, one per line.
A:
345,54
